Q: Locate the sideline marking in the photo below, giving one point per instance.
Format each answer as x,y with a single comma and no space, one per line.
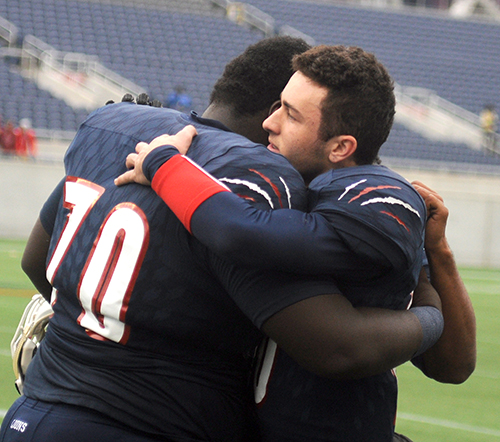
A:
449,424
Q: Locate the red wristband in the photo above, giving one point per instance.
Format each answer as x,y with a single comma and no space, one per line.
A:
183,185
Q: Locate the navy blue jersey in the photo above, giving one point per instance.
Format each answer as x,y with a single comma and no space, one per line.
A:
365,228
143,330
295,405
381,218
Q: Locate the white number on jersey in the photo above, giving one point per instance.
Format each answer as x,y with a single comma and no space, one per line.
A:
113,264
267,355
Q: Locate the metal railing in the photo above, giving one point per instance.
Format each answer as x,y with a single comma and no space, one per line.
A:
8,32
83,71
243,13
289,30
424,112
429,98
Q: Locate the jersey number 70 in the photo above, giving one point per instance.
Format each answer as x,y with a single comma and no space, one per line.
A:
111,269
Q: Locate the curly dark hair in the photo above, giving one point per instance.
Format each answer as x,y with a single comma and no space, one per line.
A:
360,100
254,80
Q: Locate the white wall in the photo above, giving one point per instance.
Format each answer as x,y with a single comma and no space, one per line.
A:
24,187
474,202
473,229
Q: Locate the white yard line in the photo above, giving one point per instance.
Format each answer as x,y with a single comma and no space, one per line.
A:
449,424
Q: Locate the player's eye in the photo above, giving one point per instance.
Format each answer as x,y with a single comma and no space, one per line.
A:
275,106
289,115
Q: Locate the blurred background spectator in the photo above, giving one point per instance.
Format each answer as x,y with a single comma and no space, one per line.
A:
8,140
179,99
20,141
489,122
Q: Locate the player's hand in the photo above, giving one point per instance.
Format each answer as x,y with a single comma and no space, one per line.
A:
437,217
181,141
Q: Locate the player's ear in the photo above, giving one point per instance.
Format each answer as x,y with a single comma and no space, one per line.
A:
342,149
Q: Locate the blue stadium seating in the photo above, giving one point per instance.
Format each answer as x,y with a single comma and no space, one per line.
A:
457,59
410,146
158,50
155,49
22,99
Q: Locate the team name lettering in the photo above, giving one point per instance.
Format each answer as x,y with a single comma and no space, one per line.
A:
18,425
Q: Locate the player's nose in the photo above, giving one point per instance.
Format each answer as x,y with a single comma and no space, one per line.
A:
270,124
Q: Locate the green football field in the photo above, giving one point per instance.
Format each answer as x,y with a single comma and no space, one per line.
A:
428,411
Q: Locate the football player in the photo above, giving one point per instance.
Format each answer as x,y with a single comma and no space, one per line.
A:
365,228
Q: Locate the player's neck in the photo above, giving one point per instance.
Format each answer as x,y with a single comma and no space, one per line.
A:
250,126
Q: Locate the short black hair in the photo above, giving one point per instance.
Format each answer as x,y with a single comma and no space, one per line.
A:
254,80
360,100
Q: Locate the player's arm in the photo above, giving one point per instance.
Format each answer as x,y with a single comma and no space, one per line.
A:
287,240
35,254
453,358
34,257
317,326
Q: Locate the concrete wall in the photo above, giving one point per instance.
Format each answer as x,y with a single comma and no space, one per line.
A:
474,202
24,187
473,229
